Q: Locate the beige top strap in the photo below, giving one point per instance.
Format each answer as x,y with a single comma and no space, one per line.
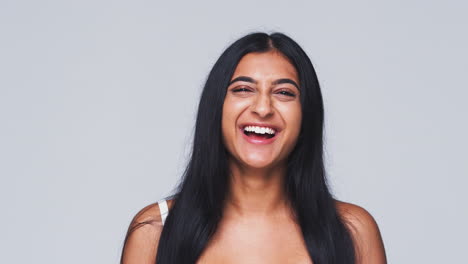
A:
163,209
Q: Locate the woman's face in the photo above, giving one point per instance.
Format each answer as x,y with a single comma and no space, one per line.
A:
262,111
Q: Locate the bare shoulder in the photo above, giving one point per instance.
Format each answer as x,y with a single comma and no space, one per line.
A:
356,215
150,214
365,232
142,239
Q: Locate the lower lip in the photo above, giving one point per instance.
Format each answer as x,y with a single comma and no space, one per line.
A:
259,140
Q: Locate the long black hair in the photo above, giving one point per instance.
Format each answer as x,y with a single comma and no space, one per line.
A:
201,194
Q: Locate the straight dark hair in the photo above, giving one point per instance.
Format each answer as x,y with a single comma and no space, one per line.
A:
200,196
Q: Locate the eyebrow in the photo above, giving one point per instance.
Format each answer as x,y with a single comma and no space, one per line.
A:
286,80
251,80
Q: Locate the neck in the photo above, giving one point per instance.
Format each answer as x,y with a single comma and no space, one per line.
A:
256,192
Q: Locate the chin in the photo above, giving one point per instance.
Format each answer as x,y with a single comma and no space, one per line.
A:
258,163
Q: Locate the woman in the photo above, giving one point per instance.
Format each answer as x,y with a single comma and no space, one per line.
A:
255,190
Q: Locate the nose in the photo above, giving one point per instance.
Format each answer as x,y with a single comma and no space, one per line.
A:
262,106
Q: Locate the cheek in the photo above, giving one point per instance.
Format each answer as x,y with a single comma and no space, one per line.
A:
294,121
297,119
232,109
229,116
293,117
224,121
226,116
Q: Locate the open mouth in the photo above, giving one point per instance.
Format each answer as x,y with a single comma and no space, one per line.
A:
259,132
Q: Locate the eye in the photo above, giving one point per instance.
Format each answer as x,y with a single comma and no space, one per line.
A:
241,90
286,93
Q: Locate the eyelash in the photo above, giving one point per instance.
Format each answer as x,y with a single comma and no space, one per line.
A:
287,93
282,92
237,90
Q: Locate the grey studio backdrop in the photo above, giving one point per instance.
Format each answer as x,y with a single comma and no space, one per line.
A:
98,100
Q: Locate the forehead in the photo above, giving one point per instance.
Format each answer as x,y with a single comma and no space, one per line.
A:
271,64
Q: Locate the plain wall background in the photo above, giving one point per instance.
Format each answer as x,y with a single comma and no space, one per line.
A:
98,100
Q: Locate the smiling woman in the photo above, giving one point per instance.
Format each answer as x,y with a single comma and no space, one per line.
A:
255,188
263,95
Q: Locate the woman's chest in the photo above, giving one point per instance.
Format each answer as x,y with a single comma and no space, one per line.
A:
257,243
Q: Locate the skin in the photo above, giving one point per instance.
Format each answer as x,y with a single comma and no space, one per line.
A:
258,170
257,224
256,205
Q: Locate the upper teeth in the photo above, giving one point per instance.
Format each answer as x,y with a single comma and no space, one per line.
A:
259,130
